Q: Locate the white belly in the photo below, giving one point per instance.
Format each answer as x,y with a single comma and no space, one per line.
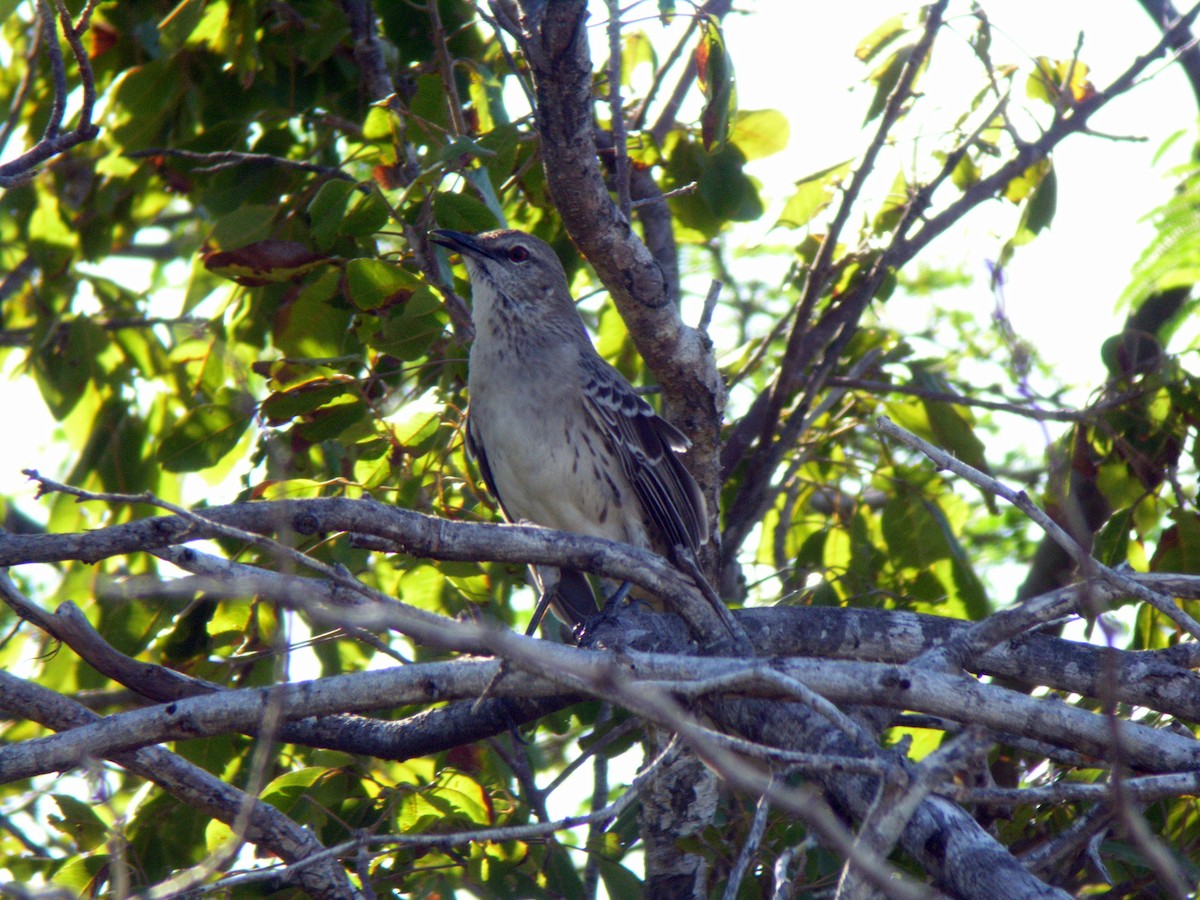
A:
550,470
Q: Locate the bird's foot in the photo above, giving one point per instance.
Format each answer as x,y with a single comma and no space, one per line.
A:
607,612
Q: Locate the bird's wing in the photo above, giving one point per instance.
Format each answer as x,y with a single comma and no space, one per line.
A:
476,451
646,446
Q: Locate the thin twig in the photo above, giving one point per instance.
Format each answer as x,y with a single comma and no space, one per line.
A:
710,306
228,159
689,188
446,67
749,848
1090,566
22,93
616,112
1014,407
54,140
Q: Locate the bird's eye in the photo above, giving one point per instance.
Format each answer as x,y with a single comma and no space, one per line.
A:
518,254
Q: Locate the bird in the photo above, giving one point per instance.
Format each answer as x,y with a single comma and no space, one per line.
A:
561,438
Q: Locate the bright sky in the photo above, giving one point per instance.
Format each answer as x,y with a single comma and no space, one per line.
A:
1061,288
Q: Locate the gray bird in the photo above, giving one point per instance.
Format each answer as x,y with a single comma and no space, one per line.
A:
561,438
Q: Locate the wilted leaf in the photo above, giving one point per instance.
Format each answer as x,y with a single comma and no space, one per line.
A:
1052,79
714,71
263,262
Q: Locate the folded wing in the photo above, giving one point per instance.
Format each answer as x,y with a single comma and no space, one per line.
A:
646,447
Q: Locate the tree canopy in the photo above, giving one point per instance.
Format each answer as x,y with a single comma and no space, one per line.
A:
262,633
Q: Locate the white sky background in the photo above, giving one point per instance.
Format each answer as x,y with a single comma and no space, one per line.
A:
1061,289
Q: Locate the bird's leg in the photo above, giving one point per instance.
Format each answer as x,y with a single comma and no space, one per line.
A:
539,611
566,592
607,610
622,591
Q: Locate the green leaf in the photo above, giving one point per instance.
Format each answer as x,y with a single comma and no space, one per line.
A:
179,24
346,418
82,875
1111,546
966,174
619,881
407,332
726,188
316,323
243,226
141,102
885,78
68,363
883,35
206,433
636,50
288,788
1022,185
378,124
481,180
79,823
914,537
462,213
374,284
1178,547
1039,212
325,212
283,406
760,133
367,216
893,207
812,195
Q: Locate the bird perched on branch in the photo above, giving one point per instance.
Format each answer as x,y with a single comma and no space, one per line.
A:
561,438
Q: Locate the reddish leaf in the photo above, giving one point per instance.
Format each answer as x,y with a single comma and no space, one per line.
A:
263,262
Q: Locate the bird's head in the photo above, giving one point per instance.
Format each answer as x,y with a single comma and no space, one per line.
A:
514,270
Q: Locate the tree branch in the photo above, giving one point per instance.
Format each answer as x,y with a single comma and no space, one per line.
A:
191,785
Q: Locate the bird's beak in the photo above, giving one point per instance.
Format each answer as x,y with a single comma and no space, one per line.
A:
457,240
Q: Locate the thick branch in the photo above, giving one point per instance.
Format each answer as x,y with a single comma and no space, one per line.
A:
264,825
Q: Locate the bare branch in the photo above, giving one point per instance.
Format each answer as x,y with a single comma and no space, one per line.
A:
191,785
230,159
54,141
1089,565
616,111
